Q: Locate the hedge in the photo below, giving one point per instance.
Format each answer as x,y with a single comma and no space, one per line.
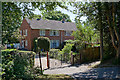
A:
16,63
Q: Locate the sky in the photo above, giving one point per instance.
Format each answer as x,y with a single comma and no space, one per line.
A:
72,16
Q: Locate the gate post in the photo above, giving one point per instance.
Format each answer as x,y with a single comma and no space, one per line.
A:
47,60
72,59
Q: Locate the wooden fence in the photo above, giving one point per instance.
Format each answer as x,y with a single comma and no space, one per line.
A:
87,55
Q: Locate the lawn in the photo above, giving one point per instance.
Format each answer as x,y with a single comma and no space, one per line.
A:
54,77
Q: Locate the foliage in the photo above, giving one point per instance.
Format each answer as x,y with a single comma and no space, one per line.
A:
17,36
44,43
104,17
86,33
66,52
11,20
54,53
67,48
14,12
54,15
17,64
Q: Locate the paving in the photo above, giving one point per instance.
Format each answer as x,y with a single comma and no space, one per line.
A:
82,71
53,63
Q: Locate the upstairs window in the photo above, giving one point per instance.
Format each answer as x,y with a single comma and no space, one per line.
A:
26,32
68,33
54,33
42,32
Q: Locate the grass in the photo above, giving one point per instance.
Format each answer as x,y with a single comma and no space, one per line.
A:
54,77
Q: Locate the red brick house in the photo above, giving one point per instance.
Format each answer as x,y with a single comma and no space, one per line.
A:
56,31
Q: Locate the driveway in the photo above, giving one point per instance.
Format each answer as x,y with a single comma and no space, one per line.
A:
84,72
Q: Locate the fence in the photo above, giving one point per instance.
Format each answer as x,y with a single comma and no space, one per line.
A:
84,56
87,55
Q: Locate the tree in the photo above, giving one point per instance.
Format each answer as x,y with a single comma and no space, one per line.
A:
54,15
42,43
14,12
106,14
85,33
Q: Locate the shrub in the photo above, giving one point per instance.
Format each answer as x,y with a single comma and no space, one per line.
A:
17,64
42,43
67,48
66,52
54,53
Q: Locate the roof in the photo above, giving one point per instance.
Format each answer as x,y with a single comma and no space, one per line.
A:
51,24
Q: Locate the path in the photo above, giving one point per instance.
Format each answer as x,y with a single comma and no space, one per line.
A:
79,71
53,63
83,71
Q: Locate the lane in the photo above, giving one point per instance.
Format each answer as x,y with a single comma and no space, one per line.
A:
84,71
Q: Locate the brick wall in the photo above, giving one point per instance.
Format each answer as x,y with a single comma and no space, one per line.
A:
24,26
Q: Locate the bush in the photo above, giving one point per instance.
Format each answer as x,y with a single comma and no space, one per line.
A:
54,53
17,64
42,43
66,52
67,48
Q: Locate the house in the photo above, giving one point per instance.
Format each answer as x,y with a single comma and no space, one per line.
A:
56,31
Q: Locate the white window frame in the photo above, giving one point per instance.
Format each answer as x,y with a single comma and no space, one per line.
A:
21,32
68,33
42,32
23,44
56,42
26,32
54,31
26,43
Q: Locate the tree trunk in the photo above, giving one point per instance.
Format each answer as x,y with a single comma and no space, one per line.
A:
118,52
101,44
101,30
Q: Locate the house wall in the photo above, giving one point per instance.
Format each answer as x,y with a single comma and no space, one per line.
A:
34,33
24,26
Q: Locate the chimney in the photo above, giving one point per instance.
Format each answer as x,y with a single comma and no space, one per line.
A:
63,21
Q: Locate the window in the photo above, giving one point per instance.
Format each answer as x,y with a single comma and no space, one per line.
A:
21,32
22,43
54,33
54,43
42,32
26,43
68,33
26,32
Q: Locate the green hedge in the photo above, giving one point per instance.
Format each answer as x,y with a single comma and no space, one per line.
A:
16,63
